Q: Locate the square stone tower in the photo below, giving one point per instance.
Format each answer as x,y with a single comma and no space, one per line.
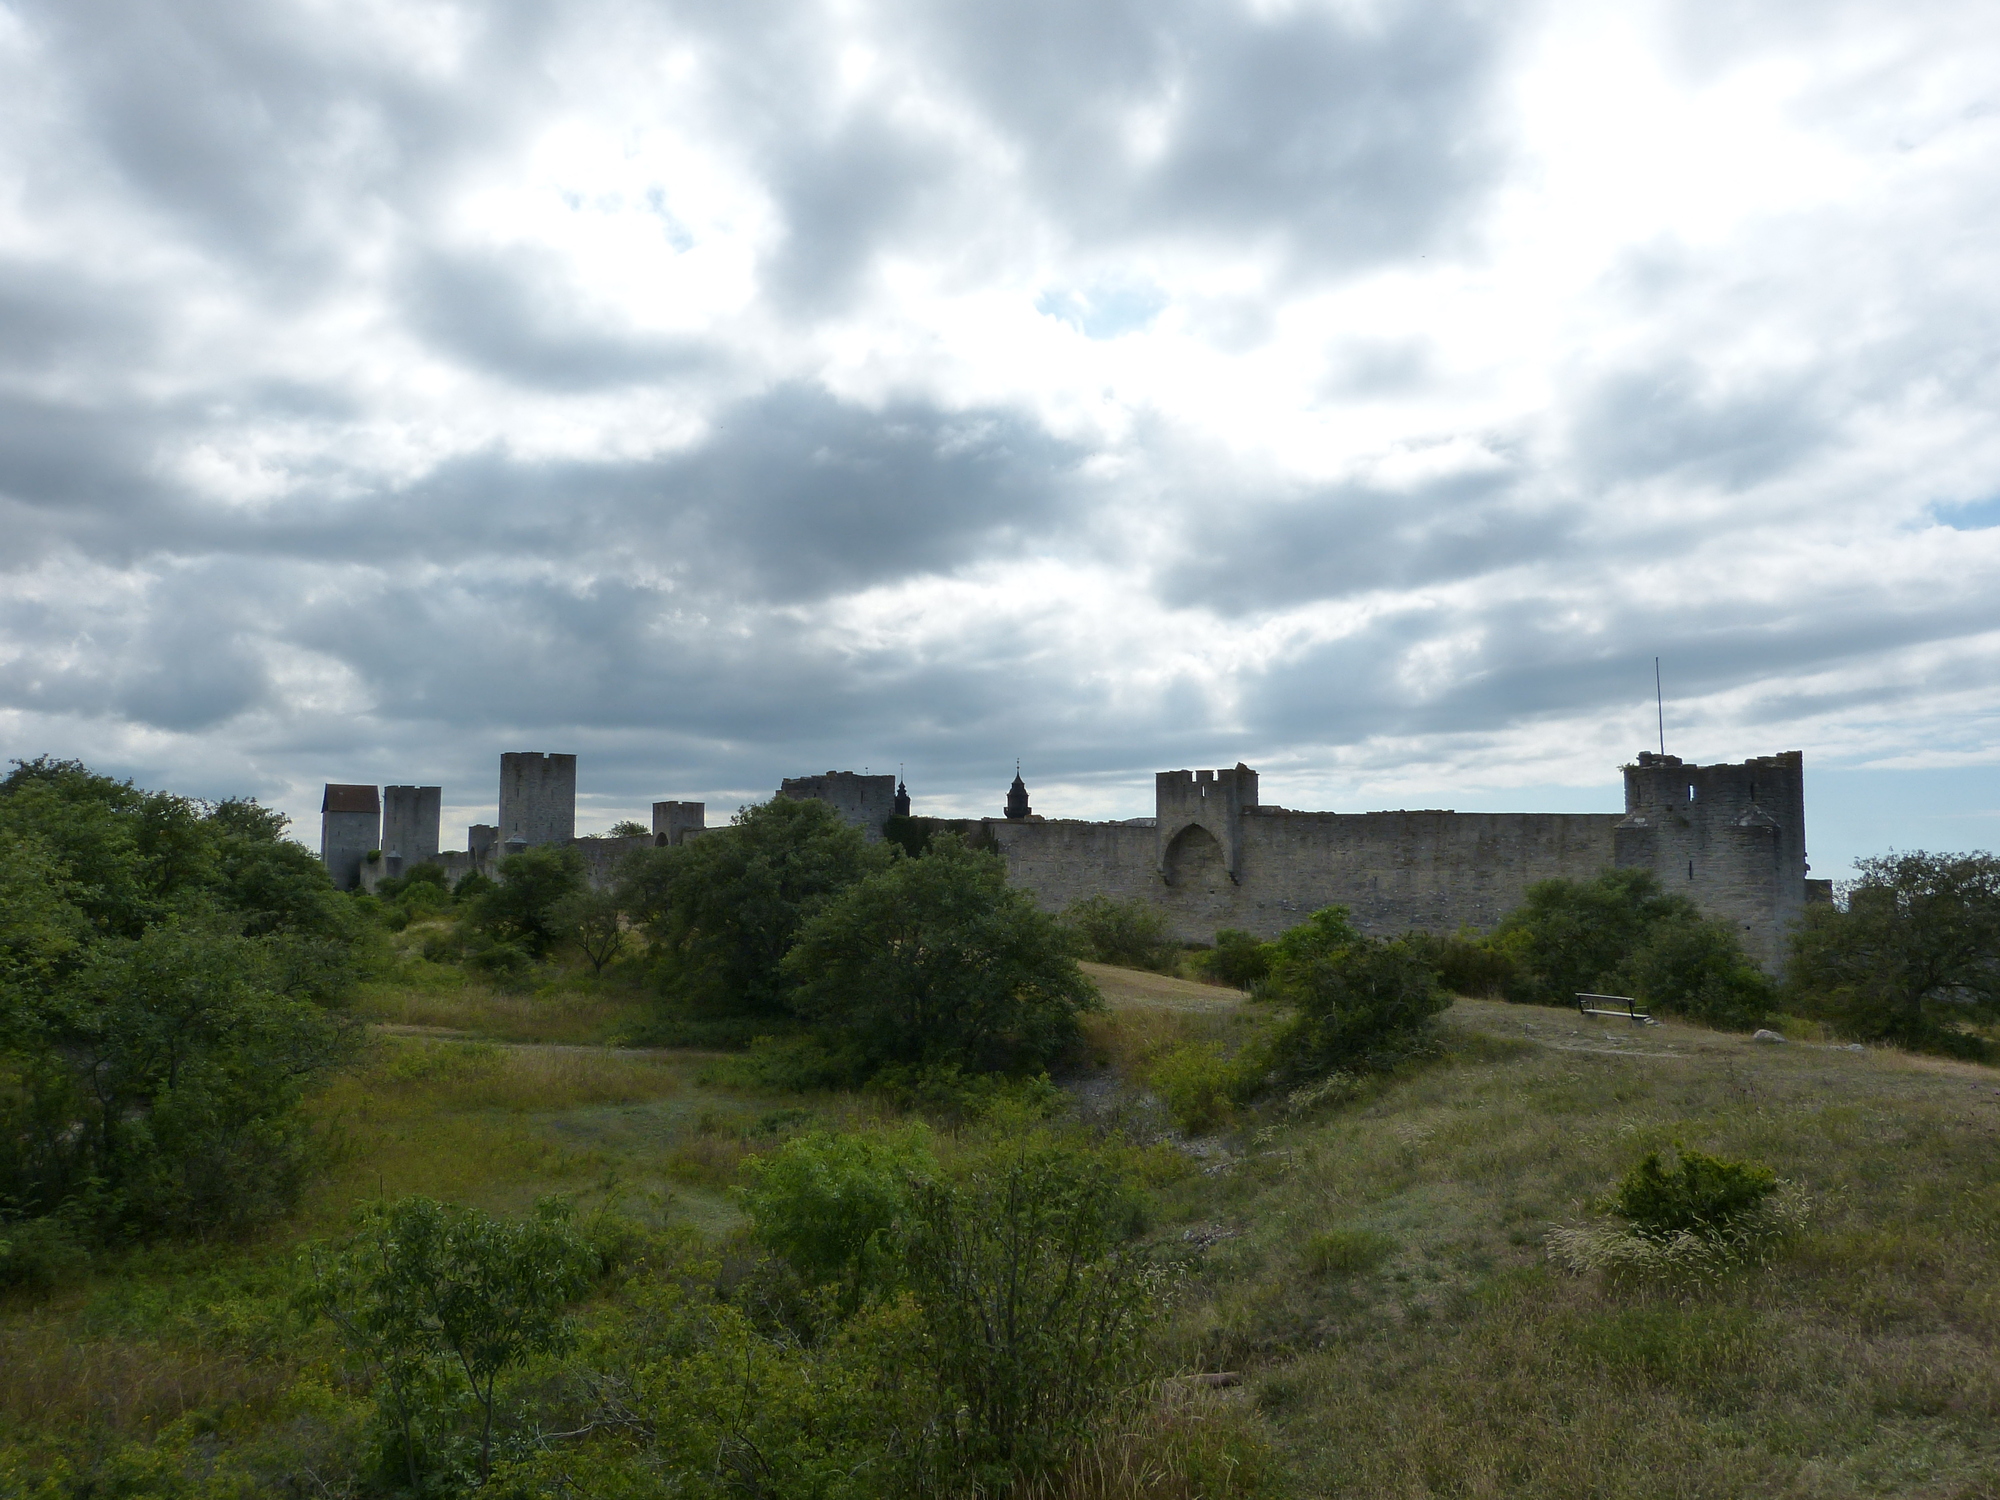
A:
350,825
865,801
1200,820
1731,838
537,798
673,822
410,819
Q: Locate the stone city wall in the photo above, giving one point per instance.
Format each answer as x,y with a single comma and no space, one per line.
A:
1431,871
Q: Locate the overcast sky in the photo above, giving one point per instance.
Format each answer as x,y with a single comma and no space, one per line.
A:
1366,391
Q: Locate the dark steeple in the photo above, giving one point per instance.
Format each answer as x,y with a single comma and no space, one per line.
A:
1017,797
902,799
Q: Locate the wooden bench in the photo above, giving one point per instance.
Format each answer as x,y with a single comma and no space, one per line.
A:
1630,1008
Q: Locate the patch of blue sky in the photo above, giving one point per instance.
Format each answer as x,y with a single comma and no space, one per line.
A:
1970,515
1103,311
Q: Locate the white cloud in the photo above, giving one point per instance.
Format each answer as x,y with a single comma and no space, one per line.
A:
1368,392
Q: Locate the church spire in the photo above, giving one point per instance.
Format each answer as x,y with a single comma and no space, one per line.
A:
1017,797
902,795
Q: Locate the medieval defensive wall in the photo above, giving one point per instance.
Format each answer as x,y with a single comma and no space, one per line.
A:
1730,837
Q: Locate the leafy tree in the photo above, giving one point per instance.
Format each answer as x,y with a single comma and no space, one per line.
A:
1132,933
1620,933
1576,935
935,961
595,922
441,1300
722,910
168,970
627,829
521,909
1357,1001
1693,966
1912,951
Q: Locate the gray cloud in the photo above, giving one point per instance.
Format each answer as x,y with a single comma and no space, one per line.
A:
1643,424
1344,139
513,314
1266,552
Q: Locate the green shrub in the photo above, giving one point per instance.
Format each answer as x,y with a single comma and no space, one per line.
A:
1911,955
1697,968
1131,933
1572,936
938,962
441,1301
1201,1085
1357,1001
1237,959
1702,1195
832,1205
1468,964
1346,1252
40,1253
1035,1303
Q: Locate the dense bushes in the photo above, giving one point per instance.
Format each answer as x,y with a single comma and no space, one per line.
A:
1620,933
167,975
1237,959
1356,1001
899,1321
935,962
1911,955
1132,933
723,910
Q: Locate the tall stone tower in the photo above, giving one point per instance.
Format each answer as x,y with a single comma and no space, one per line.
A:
350,826
1732,838
410,818
865,801
537,798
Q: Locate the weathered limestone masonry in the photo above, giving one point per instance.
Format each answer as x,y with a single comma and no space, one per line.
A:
1215,857
865,801
677,822
1731,837
537,806
350,829
410,819
537,798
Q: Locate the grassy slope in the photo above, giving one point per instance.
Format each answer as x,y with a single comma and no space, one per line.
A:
1862,1362
452,1113
1431,1350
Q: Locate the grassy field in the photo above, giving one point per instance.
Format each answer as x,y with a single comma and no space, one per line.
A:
1380,1275
1376,1272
